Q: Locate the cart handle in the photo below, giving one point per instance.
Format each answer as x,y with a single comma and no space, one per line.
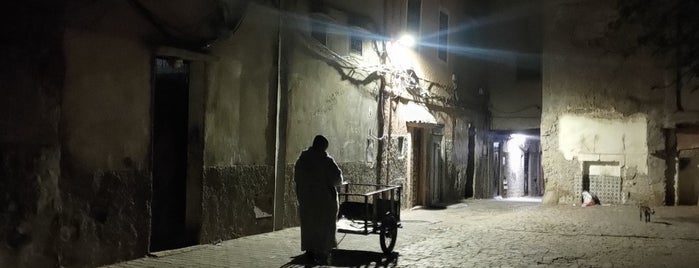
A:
382,190
373,192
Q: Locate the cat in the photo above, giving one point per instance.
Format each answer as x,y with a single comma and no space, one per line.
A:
645,211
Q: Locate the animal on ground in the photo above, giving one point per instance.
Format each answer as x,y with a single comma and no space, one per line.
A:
645,212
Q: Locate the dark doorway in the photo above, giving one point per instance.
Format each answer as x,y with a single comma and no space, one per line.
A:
418,167
435,168
470,165
688,177
687,165
169,155
497,168
526,172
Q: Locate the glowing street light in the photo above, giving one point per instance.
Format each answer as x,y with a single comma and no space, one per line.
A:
406,40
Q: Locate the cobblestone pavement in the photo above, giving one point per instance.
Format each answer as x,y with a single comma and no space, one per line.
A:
480,233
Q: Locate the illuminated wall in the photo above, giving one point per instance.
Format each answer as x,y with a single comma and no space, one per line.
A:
602,121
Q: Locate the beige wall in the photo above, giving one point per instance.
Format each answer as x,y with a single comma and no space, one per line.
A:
622,140
106,100
598,108
241,89
105,130
328,99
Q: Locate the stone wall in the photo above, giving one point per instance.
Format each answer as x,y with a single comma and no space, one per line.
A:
238,201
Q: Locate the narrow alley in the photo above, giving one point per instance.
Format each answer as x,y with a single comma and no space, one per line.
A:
479,233
205,133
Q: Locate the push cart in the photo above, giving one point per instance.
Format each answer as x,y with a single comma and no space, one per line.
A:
370,209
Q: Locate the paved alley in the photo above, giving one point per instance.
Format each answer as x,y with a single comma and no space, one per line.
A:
480,233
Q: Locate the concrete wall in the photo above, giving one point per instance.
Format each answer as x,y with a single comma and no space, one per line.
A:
598,108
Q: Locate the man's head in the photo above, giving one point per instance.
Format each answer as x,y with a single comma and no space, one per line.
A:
320,143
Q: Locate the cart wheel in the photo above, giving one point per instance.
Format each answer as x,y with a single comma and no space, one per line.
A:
388,234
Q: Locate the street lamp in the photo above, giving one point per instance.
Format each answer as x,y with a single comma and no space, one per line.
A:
406,40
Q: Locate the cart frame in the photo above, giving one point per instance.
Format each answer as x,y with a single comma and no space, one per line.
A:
381,215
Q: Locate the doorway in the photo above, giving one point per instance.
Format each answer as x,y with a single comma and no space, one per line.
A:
435,166
426,164
170,112
435,181
687,165
471,161
688,177
418,167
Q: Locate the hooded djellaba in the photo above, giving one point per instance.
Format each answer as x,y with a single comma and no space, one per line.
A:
316,175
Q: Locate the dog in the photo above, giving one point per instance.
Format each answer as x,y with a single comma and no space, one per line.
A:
645,212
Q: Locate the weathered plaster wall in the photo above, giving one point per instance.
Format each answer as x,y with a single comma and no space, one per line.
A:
322,101
325,98
597,107
239,111
76,135
74,156
513,51
238,181
31,71
237,201
690,97
105,135
334,102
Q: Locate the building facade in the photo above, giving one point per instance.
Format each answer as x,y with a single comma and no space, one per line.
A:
611,124
130,127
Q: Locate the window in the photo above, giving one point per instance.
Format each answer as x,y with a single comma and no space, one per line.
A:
319,31
443,36
356,44
413,23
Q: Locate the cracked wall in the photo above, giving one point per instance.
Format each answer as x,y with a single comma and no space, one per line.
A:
598,107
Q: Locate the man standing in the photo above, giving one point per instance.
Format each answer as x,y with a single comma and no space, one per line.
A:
316,175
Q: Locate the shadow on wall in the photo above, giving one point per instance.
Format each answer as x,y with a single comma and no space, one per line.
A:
350,258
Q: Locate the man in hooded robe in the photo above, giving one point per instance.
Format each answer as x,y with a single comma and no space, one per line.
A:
316,175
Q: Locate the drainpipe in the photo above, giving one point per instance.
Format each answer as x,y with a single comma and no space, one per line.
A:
382,98
380,127
280,125
388,141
